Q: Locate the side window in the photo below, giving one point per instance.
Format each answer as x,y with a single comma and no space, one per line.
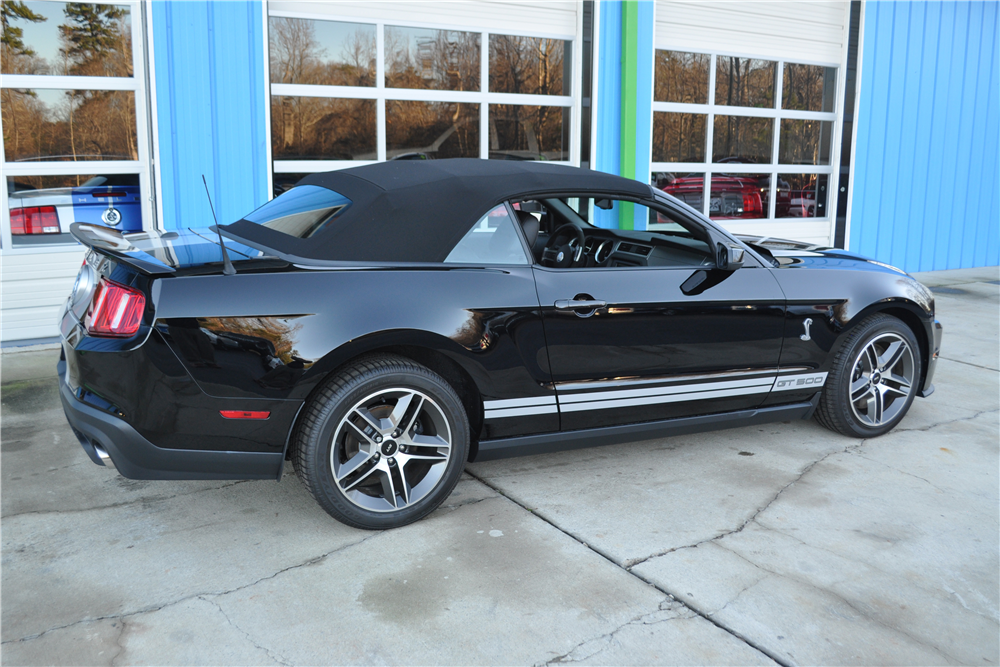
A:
492,240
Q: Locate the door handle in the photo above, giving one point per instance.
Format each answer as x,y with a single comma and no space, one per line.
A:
579,304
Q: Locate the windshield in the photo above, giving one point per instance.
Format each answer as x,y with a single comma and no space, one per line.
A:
302,211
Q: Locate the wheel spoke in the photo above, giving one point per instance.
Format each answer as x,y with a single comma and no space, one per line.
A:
430,441
871,358
406,458
875,405
359,432
402,406
350,467
892,355
404,486
388,488
367,418
859,388
897,384
361,478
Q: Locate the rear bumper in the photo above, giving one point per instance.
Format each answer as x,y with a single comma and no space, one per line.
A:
932,357
136,457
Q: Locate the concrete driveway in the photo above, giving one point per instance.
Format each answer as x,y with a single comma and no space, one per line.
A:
783,543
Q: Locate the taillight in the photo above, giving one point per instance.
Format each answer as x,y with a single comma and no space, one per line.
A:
34,220
752,205
116,311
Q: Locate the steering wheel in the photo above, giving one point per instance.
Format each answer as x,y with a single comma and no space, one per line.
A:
564,248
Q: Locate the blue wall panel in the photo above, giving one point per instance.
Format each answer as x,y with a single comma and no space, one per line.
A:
210,97
927,157
609,101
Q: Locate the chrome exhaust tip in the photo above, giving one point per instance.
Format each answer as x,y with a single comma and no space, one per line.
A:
103,455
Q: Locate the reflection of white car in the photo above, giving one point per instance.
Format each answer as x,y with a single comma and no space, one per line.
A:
803,204
44,216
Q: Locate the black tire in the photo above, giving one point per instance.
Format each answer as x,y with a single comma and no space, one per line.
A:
338,430
862,418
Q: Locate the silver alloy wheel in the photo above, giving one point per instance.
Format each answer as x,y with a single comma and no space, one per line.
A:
882,379
390,450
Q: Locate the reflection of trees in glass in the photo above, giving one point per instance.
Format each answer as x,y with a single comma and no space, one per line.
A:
298,55
316,127
805,142
808,87
16,57
744,82
321,128
439,129
95,40
431,59
528,132
83,125
681,77
529,65
678,137
742,137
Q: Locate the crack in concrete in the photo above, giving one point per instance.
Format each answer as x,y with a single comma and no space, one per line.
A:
124,503
846,602
118,643
607,639
631,563
944,423
151,609
967,363
902,472
277,657
541,515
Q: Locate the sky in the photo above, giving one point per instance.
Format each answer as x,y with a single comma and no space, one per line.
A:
43,37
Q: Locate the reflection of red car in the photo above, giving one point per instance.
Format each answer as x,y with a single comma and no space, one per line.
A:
733,196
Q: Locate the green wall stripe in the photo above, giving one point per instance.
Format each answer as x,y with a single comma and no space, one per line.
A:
630,80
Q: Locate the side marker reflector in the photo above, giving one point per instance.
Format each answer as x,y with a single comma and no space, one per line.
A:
245,414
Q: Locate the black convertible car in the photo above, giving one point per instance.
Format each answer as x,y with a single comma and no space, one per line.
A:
387,323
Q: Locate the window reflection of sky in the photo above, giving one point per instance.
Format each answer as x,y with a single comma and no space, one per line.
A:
43,37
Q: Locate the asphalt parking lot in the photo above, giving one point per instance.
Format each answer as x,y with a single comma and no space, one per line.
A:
782,543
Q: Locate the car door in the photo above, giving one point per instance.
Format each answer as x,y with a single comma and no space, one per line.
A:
639,343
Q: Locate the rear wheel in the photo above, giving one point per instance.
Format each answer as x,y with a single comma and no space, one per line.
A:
873,380
383,443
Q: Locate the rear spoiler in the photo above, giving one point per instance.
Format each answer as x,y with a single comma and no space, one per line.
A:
112,242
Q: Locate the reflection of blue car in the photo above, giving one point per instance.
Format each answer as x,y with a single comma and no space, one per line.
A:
44,216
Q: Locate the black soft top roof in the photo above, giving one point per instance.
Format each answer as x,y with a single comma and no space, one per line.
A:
417,210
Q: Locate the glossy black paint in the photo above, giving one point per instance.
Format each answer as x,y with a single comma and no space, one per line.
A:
266,338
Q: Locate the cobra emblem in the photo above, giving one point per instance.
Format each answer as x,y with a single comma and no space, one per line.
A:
807,324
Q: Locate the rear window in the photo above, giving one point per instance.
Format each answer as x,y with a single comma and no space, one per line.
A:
302,211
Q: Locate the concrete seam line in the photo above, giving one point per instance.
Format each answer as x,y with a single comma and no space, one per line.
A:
607,557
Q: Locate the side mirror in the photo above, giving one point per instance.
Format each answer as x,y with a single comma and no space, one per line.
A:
605,204
728,257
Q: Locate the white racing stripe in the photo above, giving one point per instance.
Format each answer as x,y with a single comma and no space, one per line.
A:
620,398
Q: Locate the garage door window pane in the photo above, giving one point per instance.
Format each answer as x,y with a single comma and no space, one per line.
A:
739,196
43,207
529,132
321,52
68,125
422,130
805,142
807,196
689,188
681,77
678,137
530,65
742,139
744,82
808,87
321,128
66,38
431,59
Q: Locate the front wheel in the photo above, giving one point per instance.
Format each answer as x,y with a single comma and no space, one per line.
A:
873,379
383,443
